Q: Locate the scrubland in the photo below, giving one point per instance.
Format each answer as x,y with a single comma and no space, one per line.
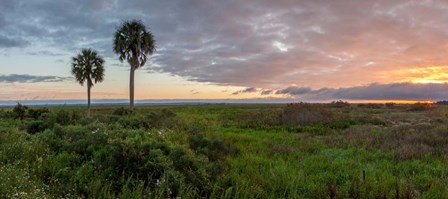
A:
300,150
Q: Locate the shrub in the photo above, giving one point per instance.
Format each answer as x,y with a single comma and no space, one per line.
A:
124,160
339,104
159,119
36,113
132,122
58,170
122,111
370,106
75,116
198,141
36,126
63,117
389,104
421,106
215,149
306,114
164,118
19,110
17,182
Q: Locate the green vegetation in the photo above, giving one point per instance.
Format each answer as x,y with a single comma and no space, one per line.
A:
225,151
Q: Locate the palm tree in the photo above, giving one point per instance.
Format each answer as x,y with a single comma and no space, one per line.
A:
133,43
87,67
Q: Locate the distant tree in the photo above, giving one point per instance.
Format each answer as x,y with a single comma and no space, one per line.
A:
133,43
88,67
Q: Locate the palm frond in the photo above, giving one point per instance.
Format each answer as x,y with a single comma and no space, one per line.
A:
133,43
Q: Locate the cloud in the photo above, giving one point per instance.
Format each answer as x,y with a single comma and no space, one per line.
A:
393,91
253,43
16,78
268,44
266,92
194,92
9,42
246,90
293,90
45,53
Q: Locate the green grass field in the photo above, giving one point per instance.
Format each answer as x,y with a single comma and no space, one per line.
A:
225,151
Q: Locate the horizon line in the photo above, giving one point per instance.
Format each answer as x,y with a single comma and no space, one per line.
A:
81,102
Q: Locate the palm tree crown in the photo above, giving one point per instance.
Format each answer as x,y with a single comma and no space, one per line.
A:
88,67
132,42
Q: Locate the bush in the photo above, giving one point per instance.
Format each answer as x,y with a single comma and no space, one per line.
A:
132,122
124,160
122,111
389,104
164,118
19,110
158,120
36,126
421,106
215,149
339,104
63,117
370,106
198,141
36,113
306,114
17,182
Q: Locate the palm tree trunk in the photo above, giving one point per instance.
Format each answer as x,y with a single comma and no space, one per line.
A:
88,99
131,88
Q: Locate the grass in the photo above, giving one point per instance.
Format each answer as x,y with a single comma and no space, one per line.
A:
228,151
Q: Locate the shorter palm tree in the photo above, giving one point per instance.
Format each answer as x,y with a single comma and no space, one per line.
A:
88,67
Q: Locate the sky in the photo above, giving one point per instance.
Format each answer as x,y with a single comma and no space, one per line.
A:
308,50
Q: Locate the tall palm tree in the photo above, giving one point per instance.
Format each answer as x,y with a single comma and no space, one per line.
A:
88,67
133,43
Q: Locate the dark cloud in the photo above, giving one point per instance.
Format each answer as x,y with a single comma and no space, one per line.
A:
15,78
266,92
254,43
9,42
246,90
293,90
395,91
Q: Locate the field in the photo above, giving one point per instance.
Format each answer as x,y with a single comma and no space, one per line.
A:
299,150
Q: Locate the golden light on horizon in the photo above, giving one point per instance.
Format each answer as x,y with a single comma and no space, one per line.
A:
397,101
433,74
